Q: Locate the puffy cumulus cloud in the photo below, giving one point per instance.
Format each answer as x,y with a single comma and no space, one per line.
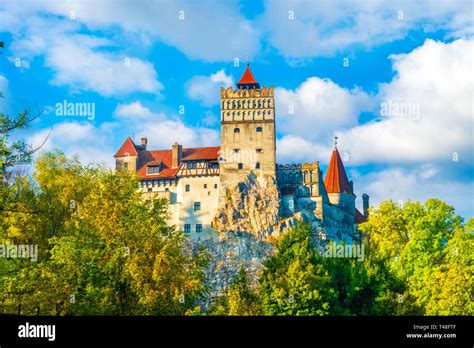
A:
208,30
304,29
81,62
205,89
134,110
426,110
318,107
295,149
162,135
92,144
163,130
418,184
77,64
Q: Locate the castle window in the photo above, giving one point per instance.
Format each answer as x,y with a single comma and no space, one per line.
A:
150,189
258,150
236,150
259,129
205,185
240,166
236,130
215,186
125,165
153,169
197,206
257,165
167,189
198,228
188,187
187,228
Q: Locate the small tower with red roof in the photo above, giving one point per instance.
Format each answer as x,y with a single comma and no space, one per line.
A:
340,190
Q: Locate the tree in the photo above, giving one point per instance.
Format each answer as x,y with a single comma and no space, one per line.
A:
103,249
294,281
240,300
423,245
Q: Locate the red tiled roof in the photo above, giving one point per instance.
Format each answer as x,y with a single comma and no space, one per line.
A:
336,178
164,156
247,78
201,153
359,217
127,149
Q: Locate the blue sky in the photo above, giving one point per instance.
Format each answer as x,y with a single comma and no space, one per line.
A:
345,67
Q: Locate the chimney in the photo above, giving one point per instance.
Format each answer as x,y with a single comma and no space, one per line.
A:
365,204
176,153
144,142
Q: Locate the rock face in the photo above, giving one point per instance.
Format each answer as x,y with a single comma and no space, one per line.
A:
252,207
238,250
247,224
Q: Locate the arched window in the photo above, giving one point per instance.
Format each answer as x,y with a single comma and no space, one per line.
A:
236,130
259,129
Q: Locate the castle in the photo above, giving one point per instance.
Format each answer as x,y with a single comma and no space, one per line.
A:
195,180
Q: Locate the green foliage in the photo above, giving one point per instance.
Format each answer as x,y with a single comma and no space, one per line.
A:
102,248
295,282
241,299
430,250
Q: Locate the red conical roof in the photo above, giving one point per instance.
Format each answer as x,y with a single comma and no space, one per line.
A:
127,149
247,80
336,178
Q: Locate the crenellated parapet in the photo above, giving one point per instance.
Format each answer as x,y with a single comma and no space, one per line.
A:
231,93
247,104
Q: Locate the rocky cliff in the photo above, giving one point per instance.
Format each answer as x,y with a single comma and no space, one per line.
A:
251,207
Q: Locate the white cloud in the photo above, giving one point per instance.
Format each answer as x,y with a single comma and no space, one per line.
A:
318,107
304,29
135,111
208,30
437,79
434,81
205,89
78,65
81,62
92,144
400,184
294,149
163,130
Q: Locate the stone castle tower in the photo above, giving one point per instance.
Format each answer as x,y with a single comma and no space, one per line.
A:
247,132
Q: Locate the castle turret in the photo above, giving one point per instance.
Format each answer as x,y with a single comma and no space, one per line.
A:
338,186
247,132
127,156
